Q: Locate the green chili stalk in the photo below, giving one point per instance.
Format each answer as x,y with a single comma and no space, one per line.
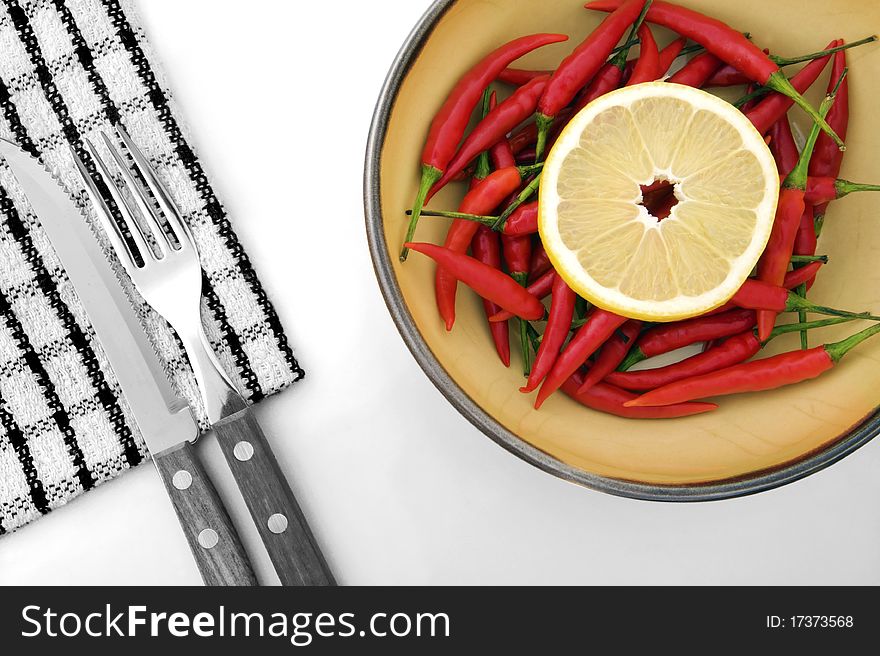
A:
483,169
788,61
523,196
806,259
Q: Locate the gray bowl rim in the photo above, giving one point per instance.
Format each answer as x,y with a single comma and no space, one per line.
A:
753,483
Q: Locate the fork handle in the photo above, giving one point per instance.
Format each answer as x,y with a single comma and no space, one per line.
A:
291,545
212,538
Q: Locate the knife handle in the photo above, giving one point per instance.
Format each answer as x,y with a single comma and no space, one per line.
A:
214,542
292,547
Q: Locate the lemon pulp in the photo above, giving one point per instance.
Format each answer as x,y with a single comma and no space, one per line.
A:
606,245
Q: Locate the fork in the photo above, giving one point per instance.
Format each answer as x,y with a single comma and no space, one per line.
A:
163,264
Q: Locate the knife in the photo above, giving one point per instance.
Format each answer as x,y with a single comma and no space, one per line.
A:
164,419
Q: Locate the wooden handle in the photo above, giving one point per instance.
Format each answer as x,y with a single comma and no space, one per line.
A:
279,519
214,542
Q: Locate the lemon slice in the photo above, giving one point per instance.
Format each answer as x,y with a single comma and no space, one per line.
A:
606,245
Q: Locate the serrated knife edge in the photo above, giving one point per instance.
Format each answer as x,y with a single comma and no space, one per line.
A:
162,416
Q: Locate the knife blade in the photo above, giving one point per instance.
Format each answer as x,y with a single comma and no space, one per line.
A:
163,418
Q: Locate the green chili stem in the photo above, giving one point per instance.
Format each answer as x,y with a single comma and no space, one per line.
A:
485,220
523,196
526,171
778,82
760,92
809,325
580,308
802,316
619,59
633,357
523,279
845,187
430,175
806,259
534,338
819,223
797,179
483,169
788,61
543,122
687,50
838,349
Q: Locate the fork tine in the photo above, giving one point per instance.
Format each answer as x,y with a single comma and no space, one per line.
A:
125,211
146,208
114,234
160,192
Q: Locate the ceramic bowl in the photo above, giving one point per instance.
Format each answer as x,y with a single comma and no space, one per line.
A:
753,442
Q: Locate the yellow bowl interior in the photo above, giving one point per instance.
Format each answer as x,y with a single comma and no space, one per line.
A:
748,433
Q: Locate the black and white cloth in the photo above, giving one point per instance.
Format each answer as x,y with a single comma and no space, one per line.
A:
68,70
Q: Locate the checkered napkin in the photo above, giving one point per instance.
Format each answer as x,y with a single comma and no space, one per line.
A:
69,69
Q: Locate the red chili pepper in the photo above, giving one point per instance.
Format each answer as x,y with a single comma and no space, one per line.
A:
558,325
607,79
599,327
612,354
647,68
777,254
520,76
482,199
540,262
523,220
493,128
732,350
760,295
757,376
670,53
827,157
582,64
823,189
729,352
517,254
798,277
728,76
783,147
805,242
501,154
697,71
486,247
540,288
527,156
527,135
611,400
671,336
793,279
489,283
775,106
730,46
449,124
774,261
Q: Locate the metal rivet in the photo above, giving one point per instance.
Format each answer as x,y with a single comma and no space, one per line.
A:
243,451
182,479
277,523
209,538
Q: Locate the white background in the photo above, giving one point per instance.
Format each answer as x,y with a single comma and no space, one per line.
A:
399,487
